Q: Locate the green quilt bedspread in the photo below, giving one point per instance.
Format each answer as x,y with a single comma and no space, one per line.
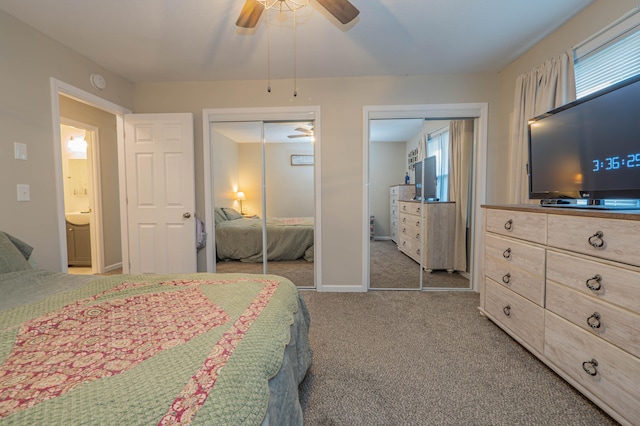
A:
209,349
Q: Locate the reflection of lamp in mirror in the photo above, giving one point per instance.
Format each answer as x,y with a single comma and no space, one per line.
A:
240,197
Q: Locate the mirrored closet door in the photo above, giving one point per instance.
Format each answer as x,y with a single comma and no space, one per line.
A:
263,197
419,197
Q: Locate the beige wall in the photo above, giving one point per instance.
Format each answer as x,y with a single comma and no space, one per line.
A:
289,188
387,166
226,163
29,60
108,159
341,101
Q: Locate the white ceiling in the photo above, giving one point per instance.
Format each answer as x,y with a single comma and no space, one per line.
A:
196,40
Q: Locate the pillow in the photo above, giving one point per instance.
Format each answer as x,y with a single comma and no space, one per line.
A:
219,215
11,258
231,213
24,248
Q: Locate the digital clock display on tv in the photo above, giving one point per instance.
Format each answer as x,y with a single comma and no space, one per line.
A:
617,162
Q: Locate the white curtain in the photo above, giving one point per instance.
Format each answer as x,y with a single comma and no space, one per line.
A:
544,88
460,149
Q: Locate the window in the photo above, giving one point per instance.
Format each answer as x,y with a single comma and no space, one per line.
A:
610,56
438,145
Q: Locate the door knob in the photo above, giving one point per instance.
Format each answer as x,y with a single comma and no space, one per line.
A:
187,215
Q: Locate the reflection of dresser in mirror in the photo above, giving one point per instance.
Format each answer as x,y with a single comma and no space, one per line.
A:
436,250
398,193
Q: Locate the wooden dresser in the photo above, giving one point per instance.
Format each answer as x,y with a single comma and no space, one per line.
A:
436,249
565,283
397,193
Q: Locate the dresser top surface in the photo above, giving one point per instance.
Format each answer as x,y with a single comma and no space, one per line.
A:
569,211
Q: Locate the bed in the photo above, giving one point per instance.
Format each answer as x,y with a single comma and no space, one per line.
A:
240,238
197,349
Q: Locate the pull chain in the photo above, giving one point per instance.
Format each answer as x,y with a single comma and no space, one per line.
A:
268,56
295,80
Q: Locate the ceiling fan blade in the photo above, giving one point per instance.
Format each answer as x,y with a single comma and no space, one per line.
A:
343,10
250,14
302,129
299,136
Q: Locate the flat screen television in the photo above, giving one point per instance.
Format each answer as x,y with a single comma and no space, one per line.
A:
426,191
588,149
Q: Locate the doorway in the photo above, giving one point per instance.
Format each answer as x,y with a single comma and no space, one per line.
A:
80,109
426,209
81,173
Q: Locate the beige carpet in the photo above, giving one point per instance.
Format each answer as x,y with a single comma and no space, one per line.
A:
300,272
426,358
390,268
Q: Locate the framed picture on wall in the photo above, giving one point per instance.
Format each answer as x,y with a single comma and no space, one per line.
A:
301,160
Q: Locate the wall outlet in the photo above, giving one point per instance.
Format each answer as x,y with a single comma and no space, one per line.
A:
24,192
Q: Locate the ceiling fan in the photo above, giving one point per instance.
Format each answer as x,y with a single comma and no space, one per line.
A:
343,11
305,132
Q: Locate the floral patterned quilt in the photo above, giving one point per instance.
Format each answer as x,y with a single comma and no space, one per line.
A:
164,350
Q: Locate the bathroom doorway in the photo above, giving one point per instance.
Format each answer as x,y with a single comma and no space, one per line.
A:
80,170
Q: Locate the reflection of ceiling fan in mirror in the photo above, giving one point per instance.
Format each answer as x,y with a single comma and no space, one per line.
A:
343,10
305,132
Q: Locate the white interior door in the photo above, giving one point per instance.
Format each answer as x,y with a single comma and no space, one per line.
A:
160,187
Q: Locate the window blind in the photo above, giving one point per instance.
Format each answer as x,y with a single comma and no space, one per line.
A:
609,57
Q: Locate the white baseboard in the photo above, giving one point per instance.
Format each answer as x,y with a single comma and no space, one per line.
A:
113,267
341,289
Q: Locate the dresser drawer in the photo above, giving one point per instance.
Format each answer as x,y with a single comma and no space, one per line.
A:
616,378
394,212
606,282
411,231
410,247
612,239
615,325
523,225
411,208
410,220
516,265
524,318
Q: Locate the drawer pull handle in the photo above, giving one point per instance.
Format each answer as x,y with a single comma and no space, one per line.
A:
507,310
417,209
418,251
594,283
506,278
418,223
417,236
594,320
590,367
596,239
508,225
507,253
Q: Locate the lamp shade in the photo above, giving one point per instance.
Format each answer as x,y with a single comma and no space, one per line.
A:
240,196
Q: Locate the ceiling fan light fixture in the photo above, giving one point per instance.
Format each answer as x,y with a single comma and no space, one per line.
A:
283,5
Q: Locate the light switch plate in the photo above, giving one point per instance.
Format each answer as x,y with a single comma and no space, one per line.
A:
24,192
20,151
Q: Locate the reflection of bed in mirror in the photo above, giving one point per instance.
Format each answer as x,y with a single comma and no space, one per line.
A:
240,238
